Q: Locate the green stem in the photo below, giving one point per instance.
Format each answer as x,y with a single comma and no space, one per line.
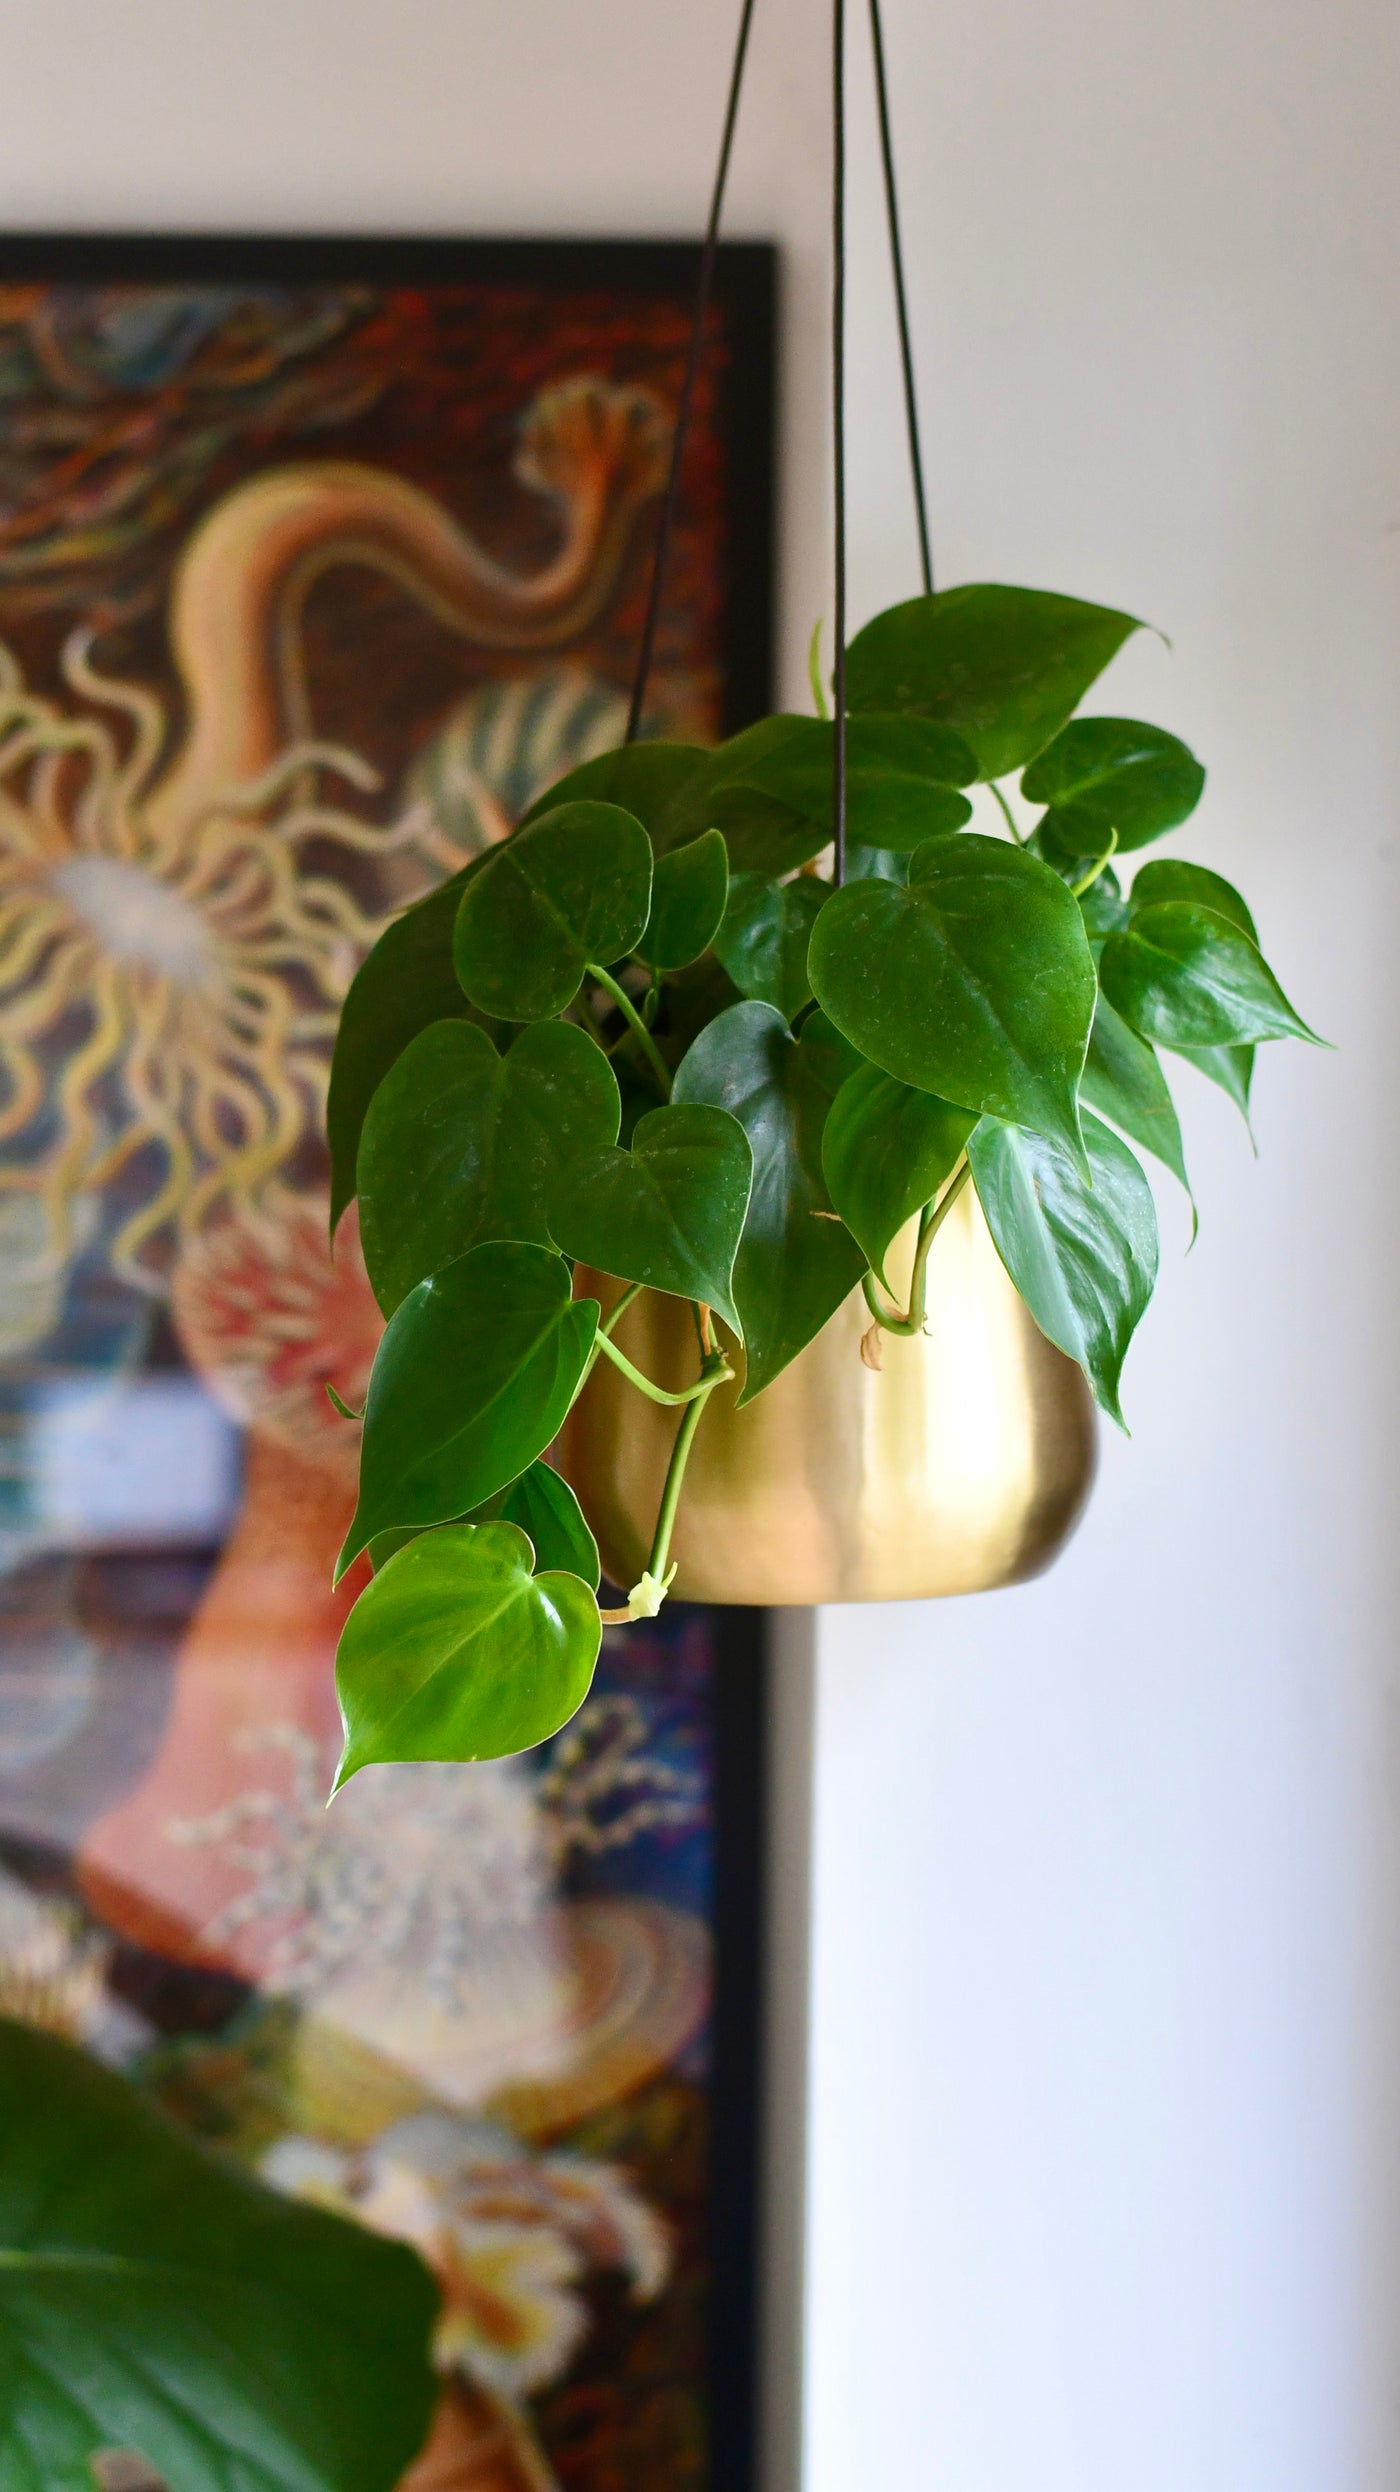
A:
814,671
934,1216
1086,881
604,1331
654,1392
1006,809
638,1026
716,1371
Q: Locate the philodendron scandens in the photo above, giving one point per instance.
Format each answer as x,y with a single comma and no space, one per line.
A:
645,1035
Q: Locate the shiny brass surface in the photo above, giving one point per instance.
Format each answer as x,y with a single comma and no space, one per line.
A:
962,1464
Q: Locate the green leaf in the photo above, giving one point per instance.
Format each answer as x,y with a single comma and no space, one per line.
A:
473,1378
457,1651
1124,1081
795,1263
545,1508
1111,774
1004,667
154,2299
1230,1068
763,941
886,1150
763,833
1187,977
1084,1257
572,887
1167,878
902,775
461,1144
406,982
645,779
688,893
975,982
1102,906
542,1505
669,1212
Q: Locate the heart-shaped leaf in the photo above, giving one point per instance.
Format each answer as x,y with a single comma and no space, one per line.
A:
763,940
152,2298
645,779
1084,1257
669,1212
796,1263
1111,774
689,889
573,886
1124,1081
461,1144
975,981
1187,977
1004,667
456,1650
544,1507
886,1150
406,982
473,1378
1169,878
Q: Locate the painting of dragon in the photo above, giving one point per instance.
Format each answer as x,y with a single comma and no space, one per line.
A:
312,575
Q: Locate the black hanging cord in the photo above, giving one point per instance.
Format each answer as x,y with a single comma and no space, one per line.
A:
838,425
666,523
906,349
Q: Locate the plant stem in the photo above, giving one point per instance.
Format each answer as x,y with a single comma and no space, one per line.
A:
653,1392
1006,809
605,1329
716,1371
639,1028
1086,881
814,671
933,1218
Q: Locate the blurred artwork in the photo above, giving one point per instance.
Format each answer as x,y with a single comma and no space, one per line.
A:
307,587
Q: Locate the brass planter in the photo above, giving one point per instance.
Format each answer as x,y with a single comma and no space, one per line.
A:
962,1464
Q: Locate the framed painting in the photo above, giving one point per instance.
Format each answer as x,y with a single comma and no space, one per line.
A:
318,560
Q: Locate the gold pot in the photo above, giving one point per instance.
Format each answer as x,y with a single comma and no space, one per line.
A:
963,1463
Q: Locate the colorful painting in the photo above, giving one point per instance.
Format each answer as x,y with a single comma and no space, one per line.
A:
317,562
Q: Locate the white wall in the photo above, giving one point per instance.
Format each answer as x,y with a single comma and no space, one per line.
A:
1103,2191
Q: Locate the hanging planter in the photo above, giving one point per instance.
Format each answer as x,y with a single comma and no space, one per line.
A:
762,1135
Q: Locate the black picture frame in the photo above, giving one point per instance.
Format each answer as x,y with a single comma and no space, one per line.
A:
746,290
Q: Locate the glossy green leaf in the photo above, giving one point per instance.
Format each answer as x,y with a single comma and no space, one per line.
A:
796,1263
902,777
461,1144
975,982
471,1381
1111,774
645,779
763,833
1003,667
1230,1068
405,983
1124,1081
154,2299
1185,976
456,1650
1084,1257
1168,878
886,1150
763,940
573,886
670,1211
690,887
544,1506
